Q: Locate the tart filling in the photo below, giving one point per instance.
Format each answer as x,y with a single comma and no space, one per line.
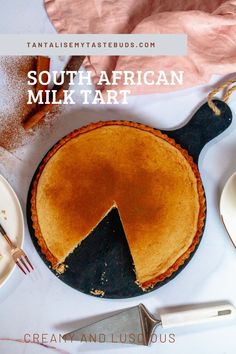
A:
151,180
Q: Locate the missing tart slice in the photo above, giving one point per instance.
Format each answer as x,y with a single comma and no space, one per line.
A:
152,181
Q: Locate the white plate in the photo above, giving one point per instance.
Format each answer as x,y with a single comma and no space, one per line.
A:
11,218
228,207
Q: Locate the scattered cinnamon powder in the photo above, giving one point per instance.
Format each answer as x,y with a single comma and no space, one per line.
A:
13,99
13,102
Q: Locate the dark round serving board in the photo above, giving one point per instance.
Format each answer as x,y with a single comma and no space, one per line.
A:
103,262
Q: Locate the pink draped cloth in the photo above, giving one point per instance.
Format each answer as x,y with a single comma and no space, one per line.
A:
210,26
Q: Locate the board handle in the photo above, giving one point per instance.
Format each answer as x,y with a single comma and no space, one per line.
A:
202,127
197,316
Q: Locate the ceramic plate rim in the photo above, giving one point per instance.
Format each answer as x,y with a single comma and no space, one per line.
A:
17,203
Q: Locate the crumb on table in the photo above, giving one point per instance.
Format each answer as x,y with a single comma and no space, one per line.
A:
3,213
61,268
97,292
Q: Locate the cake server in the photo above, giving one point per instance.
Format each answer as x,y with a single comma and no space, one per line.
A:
136,325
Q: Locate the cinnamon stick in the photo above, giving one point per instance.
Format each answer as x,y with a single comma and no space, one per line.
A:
34,119
30,121
43,64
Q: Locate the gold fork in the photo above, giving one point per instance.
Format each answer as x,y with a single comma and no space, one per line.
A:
18,255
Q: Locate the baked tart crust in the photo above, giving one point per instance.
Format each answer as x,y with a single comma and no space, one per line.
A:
146,281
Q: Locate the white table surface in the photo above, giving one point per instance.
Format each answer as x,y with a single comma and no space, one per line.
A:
42,304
